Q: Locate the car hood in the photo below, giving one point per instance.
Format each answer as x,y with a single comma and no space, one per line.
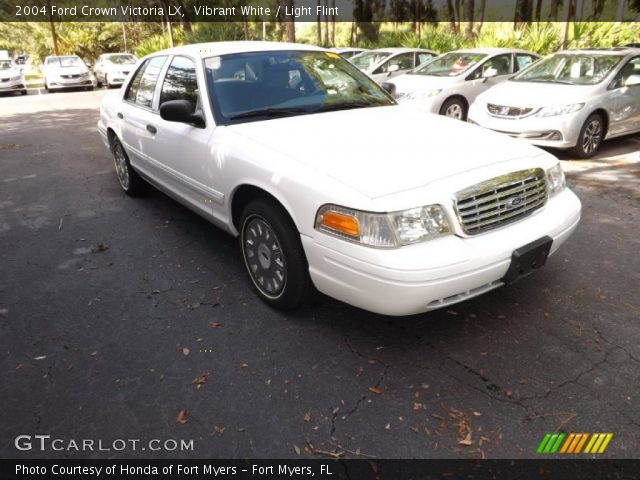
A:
534,94
9,73
384,150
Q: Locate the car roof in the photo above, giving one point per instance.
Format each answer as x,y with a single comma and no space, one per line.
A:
493,50
213,49
62,56
401,50
603,51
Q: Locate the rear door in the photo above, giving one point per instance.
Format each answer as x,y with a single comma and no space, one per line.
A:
137,117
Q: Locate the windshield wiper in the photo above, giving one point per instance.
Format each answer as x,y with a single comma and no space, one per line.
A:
549,80
269,112
346,106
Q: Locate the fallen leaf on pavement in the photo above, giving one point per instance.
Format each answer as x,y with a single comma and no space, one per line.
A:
467,440
375,390
219,431
214,325
200,380
42,357
185,351
296,449
182,417
307,417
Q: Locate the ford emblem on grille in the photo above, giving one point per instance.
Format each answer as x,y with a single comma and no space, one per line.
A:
513,202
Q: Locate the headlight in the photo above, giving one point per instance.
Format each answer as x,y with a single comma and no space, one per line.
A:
84,75
555,180
383,230
562,110
417,95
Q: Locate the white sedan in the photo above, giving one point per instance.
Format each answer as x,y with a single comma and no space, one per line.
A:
247,134
66,71
11,78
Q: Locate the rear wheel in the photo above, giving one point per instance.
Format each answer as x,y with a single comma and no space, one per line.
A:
454,108
23,92
591,136
273,255
129,180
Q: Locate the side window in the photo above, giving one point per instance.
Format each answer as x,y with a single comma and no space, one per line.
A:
501,64
132,89
523,61
404,62
632,67
423,57
147,84
180,82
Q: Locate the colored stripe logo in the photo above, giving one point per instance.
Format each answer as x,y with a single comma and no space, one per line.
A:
573,443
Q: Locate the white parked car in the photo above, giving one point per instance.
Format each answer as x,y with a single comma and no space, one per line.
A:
449,84
112,69
386,63
66,71
247,135
570,100
11,78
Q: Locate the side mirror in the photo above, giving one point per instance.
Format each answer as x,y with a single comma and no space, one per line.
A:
632,80
181,111
390,88
393,68
489,73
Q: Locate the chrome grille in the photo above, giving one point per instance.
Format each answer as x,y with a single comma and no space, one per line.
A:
505,111
500,200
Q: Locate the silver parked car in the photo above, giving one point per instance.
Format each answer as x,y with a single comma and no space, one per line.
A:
570,100
385,63
66,71
450,84
113,68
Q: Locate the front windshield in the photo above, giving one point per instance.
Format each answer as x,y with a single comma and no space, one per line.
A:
5,65
573,69
65,61
366,60
261,85
450,65
122,59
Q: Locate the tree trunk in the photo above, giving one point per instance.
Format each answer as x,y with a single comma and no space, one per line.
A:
452,15
564,31
291,26
468,17
579,8
318,24
457,7
333,23
483,7
538,10
326,24
553,12
620,11
54,38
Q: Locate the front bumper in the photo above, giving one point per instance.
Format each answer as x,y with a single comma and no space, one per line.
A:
71,83
11,85
435,274
560,131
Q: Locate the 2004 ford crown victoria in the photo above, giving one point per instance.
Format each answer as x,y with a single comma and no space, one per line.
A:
409,212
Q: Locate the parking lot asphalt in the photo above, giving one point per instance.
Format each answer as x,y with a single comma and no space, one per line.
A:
127,318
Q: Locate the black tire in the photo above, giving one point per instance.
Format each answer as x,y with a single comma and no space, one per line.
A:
454,107
23,92
591,136
128,178
273,255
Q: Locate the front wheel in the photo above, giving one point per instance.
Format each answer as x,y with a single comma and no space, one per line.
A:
590,138
129,180
273,255
454,108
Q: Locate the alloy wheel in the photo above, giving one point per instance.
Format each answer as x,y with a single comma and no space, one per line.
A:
122,168
592,136
264,257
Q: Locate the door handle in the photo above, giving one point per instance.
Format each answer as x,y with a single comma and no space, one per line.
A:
152,129
120,115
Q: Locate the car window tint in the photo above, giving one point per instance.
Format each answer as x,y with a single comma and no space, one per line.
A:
523,61
501,63
147,84
632,67
180,82
132,89
423,57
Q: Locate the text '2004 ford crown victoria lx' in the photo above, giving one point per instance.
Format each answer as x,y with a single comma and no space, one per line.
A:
329,184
